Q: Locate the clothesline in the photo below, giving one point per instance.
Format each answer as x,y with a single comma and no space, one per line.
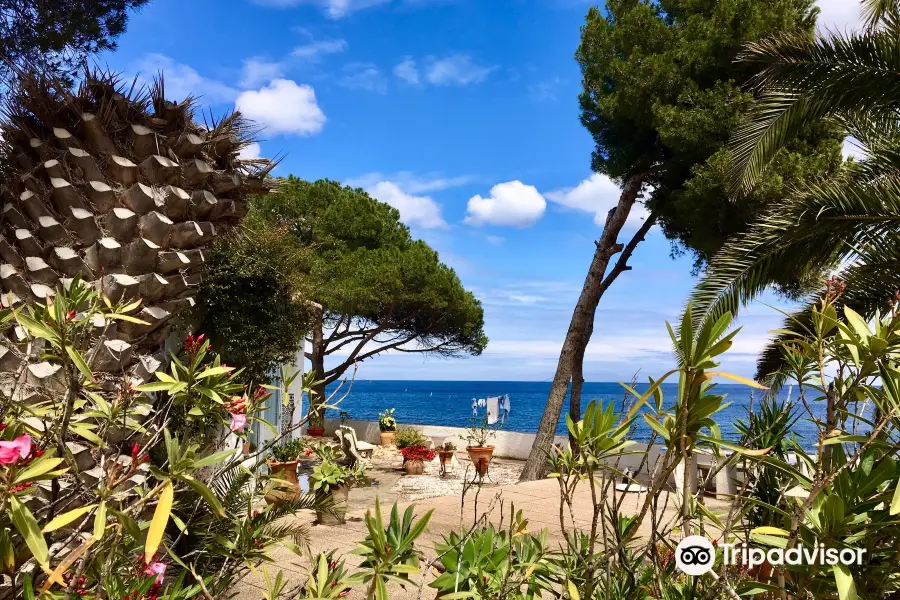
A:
498,407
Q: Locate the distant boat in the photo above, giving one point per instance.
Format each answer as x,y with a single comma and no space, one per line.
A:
431,394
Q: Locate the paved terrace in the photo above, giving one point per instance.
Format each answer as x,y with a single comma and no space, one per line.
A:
538,500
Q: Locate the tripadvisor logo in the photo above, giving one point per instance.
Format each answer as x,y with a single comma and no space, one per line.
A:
695,555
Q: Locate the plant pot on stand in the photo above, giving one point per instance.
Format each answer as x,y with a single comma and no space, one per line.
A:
388,438
481,458
288,488
446,457
336,513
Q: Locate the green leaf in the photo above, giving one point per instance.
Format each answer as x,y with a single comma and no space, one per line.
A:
752,588
770,531
844,581
213,459
843,439
858,323
156,386
206,493
657,426
84,430
748,382
214,371
100,521
76,357
895,502
33,472
31,533
128,318
37,329
573,591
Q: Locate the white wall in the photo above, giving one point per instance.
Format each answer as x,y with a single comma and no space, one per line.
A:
508,444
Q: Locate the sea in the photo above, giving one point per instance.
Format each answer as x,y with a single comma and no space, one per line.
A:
449,403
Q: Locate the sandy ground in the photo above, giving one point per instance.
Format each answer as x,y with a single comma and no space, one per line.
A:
539,501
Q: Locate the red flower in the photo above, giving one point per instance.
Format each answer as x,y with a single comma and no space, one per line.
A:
417,453
135,449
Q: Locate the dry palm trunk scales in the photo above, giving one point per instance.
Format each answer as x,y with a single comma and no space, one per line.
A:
121,188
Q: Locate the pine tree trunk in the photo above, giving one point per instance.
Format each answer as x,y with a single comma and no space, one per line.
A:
580,329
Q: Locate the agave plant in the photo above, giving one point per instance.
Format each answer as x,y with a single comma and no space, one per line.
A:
845,226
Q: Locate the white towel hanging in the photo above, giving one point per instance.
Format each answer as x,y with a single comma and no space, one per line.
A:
493,410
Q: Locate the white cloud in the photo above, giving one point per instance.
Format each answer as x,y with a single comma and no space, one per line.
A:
335,9
363,76
257,71
456,69
283,107
407,71
597,195
839,15
512,203
412,183
182,81
251,150
313,51
414,210
544,91
495,240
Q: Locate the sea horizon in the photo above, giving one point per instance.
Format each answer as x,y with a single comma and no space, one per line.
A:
449,402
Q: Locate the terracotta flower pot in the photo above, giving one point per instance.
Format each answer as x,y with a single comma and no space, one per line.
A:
480,457
388,438
337,512
414,467
289,488
315,431
446,457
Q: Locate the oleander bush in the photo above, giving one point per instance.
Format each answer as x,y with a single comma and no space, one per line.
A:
839,488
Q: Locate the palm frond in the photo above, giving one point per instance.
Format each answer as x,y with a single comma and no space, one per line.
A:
880,12
805,238
872,280
803,79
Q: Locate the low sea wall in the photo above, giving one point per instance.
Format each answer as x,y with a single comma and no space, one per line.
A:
508,444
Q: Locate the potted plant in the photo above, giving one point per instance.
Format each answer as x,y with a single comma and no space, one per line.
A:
282,462
414,458
331,481
408,437
480,453
445,452
387,424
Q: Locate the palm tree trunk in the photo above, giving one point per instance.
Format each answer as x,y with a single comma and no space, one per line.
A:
580,328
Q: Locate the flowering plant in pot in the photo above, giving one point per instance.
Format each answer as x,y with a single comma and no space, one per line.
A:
331,482
445,452
477,436
414,457
282,462
387,424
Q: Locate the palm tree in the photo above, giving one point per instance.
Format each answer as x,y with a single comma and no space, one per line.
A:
846,227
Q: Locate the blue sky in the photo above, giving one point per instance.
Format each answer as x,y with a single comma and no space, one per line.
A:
462,114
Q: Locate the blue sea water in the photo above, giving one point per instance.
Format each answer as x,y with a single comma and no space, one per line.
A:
449,403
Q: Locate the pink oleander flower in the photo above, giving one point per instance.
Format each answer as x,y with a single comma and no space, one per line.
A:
15,450
238,421
158,569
